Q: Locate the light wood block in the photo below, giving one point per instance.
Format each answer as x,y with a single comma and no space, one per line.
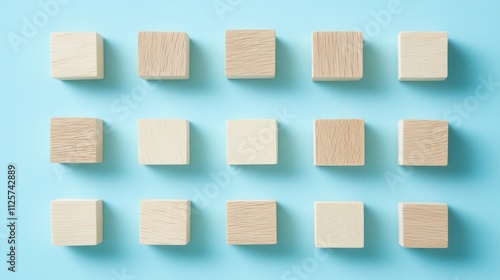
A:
76,140
423,56
337,56
77,55
251,142
339,224
165,222
423,225
339,142
251,222
250,54
163,55
163,142
76,222
423,143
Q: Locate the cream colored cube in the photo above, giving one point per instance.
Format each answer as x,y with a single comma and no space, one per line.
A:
77,55
76,222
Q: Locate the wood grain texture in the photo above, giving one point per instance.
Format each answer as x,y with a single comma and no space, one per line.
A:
423,56
250,54
423,225
76,140
163,142
251,142
423,143
76,222
165,222
163,55
339,224
339,142
337,56
251,222
77,55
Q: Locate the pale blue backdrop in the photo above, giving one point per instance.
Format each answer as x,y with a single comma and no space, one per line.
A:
468,99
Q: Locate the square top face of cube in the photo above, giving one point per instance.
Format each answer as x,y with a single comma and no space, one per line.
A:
250,54
339,225
423,143
76,222
165,222
163,142
337,56
423,225
339,142
77,55
251,222
251,142
76,140
423,56
163,55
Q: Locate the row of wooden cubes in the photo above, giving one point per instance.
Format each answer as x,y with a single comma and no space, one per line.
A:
250,54
168,222
337,142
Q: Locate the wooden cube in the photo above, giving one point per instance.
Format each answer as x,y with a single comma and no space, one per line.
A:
251,142
423,225
165,222
76,140
339,142
250,54
163,142
423,56
77,55
163,55
251,222
423,143
76,222
339,224
337,56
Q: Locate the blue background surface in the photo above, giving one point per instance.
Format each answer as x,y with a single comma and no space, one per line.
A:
469,184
